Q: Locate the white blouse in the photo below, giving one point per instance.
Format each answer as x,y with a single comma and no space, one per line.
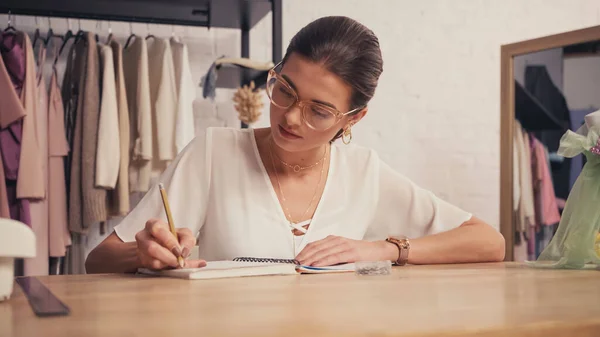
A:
219,188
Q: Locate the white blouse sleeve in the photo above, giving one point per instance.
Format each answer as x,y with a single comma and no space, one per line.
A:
403,208
187,183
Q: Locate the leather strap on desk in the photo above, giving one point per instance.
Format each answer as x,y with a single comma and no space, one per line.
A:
41,299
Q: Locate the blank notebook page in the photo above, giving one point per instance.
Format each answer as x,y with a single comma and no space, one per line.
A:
223,269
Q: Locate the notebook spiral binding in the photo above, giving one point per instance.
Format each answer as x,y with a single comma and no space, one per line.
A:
266,260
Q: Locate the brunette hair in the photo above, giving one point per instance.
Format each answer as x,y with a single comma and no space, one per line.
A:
346,48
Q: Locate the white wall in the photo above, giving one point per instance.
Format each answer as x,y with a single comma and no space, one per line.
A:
436,114
582,82
551,58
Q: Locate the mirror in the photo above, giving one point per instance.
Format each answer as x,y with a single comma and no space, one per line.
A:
548,86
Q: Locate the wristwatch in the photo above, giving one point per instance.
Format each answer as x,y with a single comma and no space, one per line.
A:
403,246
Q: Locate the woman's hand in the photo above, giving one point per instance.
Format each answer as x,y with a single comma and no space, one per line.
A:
335,249
158,249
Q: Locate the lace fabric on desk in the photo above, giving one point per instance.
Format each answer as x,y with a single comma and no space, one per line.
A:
572,247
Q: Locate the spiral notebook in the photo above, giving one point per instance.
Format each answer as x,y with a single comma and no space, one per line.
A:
346,267
247,266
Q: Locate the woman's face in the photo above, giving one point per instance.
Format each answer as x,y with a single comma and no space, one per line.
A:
311,82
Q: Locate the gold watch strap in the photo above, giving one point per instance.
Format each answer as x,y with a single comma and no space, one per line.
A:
403,245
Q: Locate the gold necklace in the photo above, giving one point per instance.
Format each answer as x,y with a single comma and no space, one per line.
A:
297,168
283,199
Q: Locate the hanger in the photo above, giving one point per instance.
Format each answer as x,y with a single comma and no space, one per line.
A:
129,40
98,27
148,35
48,37
65,38
80,33
68,35
9,28
36,36
131,36
110,36
50,34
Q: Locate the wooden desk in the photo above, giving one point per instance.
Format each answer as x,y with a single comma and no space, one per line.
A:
460,300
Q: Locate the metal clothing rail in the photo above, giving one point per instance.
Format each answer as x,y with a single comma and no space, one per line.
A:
236,14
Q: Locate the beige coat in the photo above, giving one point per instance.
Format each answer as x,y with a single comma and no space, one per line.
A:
38,265
137,82
163,93
30,184
119,199
87,204
186,94
58,233
108,146
12,108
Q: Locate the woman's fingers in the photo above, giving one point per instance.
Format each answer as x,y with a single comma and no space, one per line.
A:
161,234
314,248
195,263
158,248
334,258
150,250
187,240
332,254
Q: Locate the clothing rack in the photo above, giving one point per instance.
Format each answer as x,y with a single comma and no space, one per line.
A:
531,113
236,14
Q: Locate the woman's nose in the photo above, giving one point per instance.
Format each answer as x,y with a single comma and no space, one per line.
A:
293,116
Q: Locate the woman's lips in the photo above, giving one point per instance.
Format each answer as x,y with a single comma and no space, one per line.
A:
287,134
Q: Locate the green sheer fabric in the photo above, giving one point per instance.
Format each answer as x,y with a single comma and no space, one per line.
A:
573,245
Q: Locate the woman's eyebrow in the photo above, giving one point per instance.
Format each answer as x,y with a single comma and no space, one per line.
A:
291,83
325,103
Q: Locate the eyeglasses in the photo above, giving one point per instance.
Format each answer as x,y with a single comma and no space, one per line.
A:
317,116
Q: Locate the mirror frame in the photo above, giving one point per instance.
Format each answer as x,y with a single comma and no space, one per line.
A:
507,115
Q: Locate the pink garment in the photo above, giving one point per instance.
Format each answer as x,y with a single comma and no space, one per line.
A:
12,112
58,148
38,265
548,207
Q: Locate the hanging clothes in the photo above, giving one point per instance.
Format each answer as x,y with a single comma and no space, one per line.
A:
58,233
137,83
539,83
38,265
186,94
18,144
530,200
87,204
163,95
11,115
108,152
4,210
119,198
524,216
519,246
526,209
546,205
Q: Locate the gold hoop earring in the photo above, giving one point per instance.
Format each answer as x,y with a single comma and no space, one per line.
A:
347,136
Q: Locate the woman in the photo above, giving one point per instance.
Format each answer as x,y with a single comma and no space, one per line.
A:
290,191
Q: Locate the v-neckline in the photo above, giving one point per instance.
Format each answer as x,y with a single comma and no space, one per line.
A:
284,220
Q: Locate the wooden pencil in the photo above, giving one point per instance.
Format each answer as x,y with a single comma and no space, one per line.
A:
163,194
